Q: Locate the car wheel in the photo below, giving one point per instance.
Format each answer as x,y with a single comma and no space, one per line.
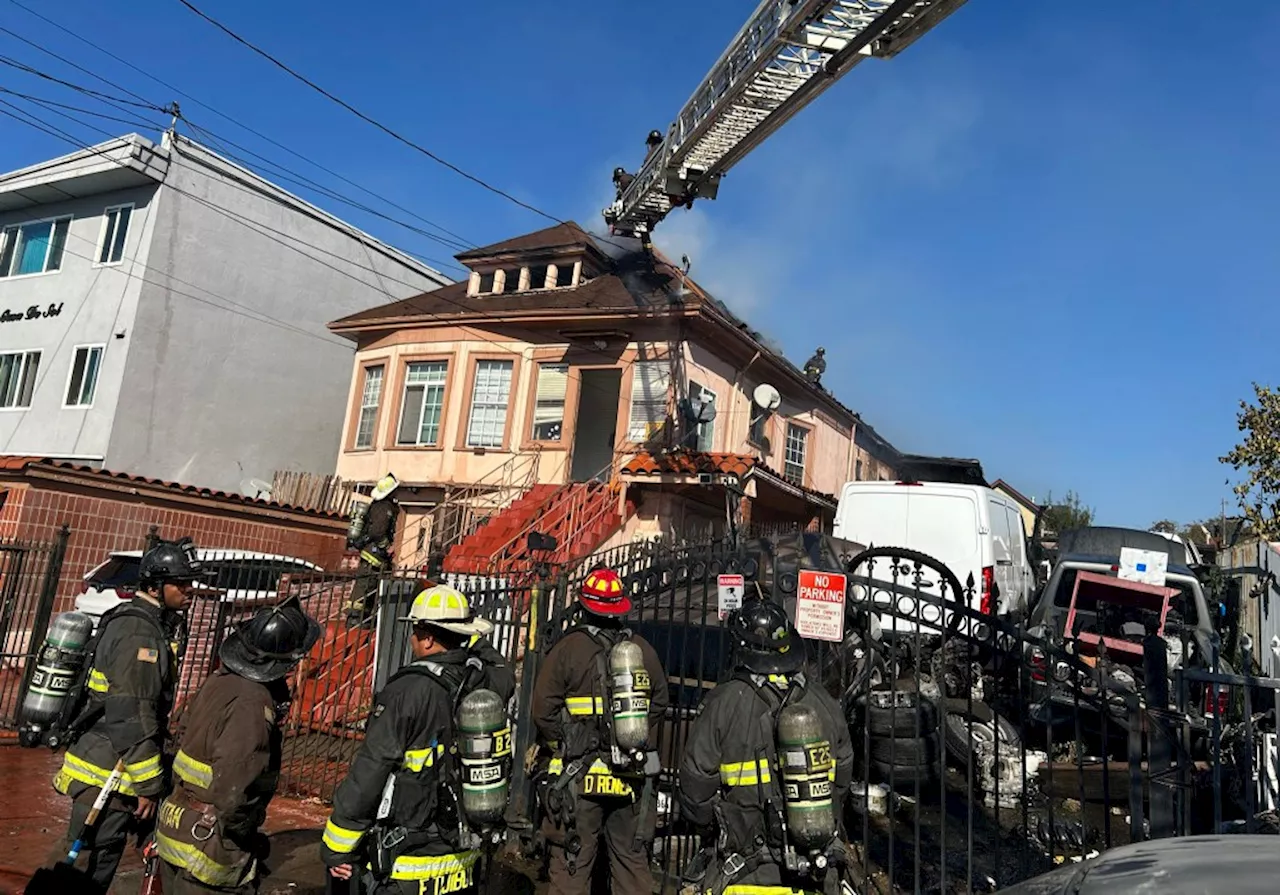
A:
904,776
915,720
905,751
969,731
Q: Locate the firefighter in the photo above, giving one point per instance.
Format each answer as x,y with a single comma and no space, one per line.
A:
226,767
374,542
731,786
588,792
397,811
126,715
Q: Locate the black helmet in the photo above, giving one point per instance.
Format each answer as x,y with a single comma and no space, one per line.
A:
170,561
765,641
269,645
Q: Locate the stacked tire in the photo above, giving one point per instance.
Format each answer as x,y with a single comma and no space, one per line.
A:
904,747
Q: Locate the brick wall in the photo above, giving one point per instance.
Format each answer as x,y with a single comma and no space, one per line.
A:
105,522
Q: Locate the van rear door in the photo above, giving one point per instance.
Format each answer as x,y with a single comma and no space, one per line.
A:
944,524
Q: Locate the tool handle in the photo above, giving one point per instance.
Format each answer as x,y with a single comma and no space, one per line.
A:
113,781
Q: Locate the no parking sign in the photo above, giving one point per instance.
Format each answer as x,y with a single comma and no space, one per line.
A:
820,606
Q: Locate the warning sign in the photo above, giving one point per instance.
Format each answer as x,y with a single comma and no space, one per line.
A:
731,588
820,606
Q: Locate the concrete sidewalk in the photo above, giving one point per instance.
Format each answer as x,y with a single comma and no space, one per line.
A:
33,818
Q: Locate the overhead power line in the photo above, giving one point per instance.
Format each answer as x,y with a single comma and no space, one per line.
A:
232,120
87,91
368,119
266,232
55,106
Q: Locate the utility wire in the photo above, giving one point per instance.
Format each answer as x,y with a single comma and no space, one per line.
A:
239,309
265,232
88,91
279,172
237,123
362,116
55,106
76,66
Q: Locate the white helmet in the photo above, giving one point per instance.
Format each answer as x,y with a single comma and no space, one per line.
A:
385,486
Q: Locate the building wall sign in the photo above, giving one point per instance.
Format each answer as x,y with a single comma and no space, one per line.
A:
32,313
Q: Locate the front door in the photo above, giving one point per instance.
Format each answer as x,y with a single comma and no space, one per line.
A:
595,431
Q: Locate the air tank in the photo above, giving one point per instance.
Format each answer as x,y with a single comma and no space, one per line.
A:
359,512
58,666
808,774
485,749
629,697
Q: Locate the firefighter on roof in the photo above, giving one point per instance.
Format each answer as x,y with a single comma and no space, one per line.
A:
229,759
130,690
597,702
408,817
766,768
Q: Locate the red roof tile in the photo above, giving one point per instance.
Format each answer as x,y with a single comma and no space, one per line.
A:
684,462
21,464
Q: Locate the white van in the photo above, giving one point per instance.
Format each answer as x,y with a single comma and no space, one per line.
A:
971,529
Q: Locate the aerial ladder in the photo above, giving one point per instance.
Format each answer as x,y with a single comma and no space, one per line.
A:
786,55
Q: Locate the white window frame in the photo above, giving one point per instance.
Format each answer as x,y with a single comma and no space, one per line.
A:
45,271
404,402
375,406
505,405
26,354
97,374
102,234
638,432
788,450
564,370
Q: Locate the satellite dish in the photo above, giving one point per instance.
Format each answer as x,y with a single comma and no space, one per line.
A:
704,411
256,488
767,397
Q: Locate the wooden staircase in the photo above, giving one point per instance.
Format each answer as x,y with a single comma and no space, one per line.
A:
580,516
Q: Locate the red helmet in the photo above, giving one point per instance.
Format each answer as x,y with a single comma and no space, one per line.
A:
603,594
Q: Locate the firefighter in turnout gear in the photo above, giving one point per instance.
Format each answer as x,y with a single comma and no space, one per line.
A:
400,812
228,761
130,690
597,785
374,541
766,768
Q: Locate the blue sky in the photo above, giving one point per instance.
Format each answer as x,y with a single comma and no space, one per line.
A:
1043,240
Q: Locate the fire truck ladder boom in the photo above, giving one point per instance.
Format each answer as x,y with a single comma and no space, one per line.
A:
788,53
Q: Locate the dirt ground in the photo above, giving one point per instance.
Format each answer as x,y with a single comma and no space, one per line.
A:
33,818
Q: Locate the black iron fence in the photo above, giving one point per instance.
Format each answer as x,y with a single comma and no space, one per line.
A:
28,585
984,753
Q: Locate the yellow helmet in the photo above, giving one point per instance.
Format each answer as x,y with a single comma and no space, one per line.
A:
444,607
385,486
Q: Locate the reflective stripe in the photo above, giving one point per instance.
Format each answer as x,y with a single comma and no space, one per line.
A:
98,681
142,771
370,558
197,773
78,769
746,773
431,866
597,767
197,863
585,705
339,839
417,759
764,890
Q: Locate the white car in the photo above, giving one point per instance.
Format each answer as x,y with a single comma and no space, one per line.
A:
239,576
972,529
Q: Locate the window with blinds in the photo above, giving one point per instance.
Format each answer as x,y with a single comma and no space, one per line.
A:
793,457
369,399
650,384
489,398
423,403
548,409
